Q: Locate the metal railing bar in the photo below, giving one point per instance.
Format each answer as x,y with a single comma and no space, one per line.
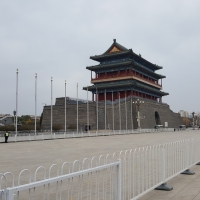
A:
60,178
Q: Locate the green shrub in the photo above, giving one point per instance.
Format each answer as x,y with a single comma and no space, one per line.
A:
19,128
7,128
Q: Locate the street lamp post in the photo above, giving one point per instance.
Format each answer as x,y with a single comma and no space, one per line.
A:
138,103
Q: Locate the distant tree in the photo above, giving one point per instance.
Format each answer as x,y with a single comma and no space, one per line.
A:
186,121
24,119
7,128
29,121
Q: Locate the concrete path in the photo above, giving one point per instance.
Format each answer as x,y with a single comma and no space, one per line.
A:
185,187
17,156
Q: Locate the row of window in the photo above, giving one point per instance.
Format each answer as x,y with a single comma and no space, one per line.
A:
125,72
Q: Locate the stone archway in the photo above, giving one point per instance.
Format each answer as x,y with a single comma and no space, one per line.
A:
157,118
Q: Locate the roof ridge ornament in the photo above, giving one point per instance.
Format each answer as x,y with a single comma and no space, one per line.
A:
114,40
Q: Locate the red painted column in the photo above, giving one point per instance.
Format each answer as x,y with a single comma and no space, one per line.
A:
92,97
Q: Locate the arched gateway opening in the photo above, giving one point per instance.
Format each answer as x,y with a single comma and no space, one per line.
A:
157,118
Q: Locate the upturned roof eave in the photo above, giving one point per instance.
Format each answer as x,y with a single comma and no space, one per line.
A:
125,83
96,67
98,57
149,71
108,65
156,67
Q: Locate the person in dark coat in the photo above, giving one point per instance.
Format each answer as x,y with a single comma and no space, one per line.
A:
6,137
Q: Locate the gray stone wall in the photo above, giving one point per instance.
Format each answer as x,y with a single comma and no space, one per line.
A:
147,110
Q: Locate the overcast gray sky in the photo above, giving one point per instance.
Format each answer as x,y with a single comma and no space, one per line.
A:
56,38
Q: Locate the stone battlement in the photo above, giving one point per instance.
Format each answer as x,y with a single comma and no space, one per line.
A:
147,110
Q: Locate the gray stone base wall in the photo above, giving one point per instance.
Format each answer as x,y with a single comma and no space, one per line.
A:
126,109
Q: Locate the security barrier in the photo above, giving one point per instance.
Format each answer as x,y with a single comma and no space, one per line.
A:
62,135
123,175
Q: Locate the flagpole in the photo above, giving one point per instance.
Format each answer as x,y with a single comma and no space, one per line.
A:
65,108
77,108
97,109
87,112
119,114
16,101
51,103
113,110
35,102
126,111
132,112
105,107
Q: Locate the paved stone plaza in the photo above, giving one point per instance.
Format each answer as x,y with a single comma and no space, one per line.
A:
30,155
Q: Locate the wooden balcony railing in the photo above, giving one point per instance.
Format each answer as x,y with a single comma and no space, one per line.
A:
128,75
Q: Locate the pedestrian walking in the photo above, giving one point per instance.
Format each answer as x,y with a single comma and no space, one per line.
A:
6,137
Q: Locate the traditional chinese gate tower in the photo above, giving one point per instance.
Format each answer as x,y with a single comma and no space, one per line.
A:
122,73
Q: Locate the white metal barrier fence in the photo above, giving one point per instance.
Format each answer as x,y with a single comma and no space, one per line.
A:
61,135
100,182
141,169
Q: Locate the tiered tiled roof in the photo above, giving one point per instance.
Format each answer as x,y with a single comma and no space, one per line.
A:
139,73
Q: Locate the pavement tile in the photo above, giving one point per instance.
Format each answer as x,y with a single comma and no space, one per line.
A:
148,195
197,197
189,191
186,197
